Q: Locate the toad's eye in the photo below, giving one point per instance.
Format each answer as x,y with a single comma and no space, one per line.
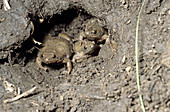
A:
85,47
94,32
41,56
54,56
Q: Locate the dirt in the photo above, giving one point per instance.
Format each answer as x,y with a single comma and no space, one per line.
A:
105,82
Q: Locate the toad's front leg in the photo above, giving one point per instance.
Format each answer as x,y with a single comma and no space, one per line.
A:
39,63
79,57
69,66
82,36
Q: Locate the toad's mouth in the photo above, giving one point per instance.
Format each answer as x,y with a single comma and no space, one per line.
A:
52,61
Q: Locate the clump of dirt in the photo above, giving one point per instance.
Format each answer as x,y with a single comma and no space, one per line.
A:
166,55
105,82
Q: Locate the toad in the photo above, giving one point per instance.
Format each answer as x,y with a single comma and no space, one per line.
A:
84,49
55,50
94,31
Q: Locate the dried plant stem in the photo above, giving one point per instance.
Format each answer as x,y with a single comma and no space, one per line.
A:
137,57
20,96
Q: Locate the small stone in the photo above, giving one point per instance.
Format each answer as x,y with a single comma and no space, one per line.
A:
128,69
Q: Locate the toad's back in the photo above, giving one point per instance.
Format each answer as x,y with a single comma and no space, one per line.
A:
60,45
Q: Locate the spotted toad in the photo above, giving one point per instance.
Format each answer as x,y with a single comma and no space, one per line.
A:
56,51
94,31
84,50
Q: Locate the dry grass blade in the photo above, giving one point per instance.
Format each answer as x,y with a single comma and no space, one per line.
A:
137,57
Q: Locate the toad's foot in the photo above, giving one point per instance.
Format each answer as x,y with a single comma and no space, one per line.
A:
79,57
82,36
111,43
69,67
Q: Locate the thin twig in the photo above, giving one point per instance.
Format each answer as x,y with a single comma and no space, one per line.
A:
20,96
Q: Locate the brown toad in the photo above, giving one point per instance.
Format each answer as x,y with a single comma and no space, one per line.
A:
84,49
55,51
94,31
